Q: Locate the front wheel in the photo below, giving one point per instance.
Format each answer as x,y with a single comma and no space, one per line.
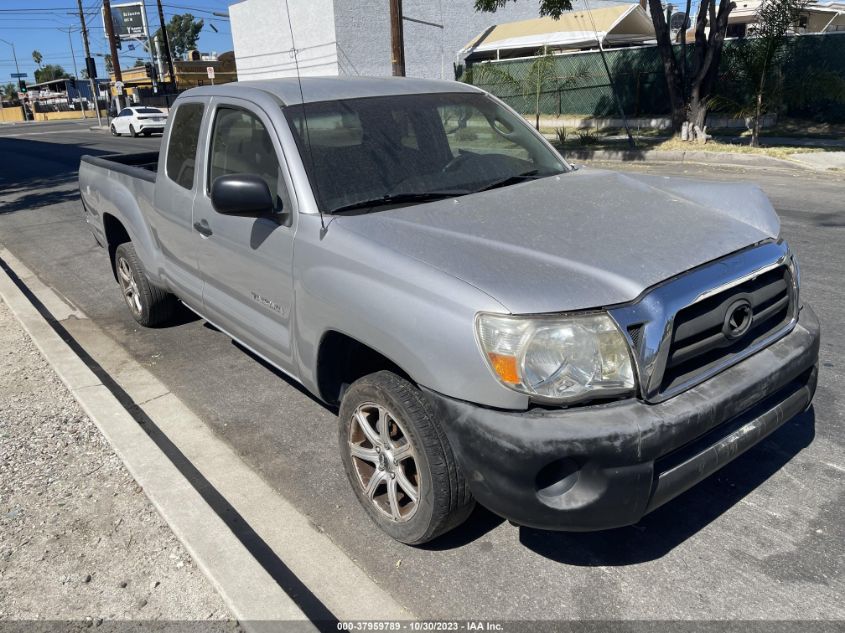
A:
398,460
114,131
149,305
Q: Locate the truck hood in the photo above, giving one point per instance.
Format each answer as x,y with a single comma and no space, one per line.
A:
584,239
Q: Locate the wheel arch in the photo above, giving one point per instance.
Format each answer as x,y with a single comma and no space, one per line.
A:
116,234
343,359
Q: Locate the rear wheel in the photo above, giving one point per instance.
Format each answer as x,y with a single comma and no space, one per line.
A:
149,305
398,460
132,131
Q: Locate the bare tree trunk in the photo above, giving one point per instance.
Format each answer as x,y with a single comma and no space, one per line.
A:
697,118
758,106
670,65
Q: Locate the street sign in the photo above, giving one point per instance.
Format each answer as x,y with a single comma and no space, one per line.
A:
18,75
210,71
118,87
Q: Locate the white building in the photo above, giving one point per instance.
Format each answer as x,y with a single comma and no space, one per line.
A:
352,37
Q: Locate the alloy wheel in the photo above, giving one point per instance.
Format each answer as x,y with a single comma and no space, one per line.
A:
129,286
385,461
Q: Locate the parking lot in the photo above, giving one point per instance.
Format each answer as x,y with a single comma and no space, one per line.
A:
762,539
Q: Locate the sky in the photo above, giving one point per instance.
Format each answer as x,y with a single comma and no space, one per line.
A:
43,25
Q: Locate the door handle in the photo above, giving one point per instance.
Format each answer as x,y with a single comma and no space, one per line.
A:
203,228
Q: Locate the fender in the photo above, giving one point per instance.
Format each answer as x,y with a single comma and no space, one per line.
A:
418,317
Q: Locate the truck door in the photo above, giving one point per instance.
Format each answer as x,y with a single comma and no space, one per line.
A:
176,187
246,262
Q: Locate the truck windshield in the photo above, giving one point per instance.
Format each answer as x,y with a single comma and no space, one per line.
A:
396,150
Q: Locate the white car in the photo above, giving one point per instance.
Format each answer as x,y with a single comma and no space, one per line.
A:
141,120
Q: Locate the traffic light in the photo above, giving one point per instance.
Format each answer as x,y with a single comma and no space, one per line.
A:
152,72
21,86
73,82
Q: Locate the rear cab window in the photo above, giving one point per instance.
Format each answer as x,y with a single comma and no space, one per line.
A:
182,144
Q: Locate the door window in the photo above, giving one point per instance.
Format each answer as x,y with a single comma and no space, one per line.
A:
240,144
182,147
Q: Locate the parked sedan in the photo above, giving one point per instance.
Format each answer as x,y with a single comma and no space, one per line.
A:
141,120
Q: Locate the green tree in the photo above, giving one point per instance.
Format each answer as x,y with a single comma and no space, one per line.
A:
183,31
37,58
10,92
691,89
755,63
49,72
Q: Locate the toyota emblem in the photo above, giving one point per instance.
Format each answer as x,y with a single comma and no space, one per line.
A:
738,319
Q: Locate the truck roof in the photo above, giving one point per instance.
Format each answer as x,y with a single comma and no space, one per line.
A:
315,89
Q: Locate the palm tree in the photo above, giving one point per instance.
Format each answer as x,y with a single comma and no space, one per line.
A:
37,57
9,92
542,76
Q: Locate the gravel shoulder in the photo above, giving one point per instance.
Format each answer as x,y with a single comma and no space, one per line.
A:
78,538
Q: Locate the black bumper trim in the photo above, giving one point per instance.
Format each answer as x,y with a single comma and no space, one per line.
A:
629,457
754,426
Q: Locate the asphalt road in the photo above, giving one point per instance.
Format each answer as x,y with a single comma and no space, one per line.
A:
761,539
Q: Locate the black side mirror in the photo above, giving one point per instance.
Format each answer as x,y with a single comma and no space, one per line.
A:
241,194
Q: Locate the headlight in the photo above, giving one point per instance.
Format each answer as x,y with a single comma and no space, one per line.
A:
557,358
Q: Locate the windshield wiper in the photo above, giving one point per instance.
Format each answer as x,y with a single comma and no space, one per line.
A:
398,198
512,180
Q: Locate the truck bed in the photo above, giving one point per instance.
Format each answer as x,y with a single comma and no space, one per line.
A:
119,185
142,165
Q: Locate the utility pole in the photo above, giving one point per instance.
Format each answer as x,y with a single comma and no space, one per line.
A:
89,63
164,37
115,62
75,73
397,38
150,49
18,79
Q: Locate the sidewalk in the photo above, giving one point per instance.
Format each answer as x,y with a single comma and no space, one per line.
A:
78,538
833,162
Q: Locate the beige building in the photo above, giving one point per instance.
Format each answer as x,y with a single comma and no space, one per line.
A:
819,17
610,26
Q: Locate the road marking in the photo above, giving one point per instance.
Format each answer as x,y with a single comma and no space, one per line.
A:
322,567
22,134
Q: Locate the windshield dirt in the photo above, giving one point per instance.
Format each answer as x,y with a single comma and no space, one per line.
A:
376,151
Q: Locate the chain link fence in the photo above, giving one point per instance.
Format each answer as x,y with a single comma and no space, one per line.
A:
578,84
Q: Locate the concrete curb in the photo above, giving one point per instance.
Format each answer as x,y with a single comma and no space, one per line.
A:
314,563
685,156
250,593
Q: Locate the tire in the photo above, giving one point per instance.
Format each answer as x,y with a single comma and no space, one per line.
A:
149,305
132,131
114,131
424,464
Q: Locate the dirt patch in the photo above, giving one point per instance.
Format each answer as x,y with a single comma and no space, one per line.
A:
79,540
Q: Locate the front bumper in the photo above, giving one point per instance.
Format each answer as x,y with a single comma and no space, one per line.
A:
605,466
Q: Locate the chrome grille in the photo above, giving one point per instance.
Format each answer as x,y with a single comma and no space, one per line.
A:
703,333
677,329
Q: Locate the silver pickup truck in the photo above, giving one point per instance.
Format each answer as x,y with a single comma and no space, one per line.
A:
569,348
